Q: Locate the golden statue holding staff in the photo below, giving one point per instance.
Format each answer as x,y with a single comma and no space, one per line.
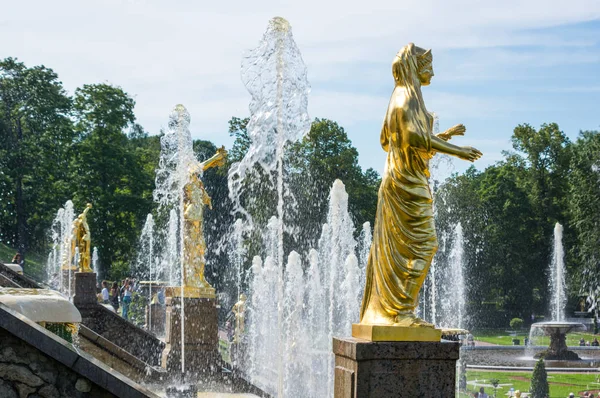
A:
195,198
404,238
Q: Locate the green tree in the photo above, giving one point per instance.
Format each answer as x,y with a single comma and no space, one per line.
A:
539,381
584,210
238,128
322,156
36,133
111,174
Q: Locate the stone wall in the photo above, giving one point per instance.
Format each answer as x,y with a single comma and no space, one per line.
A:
25,371
117,358
36,363
12,279
124,334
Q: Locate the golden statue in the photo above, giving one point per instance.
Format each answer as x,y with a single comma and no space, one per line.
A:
404,238
239,311
81,240
195,198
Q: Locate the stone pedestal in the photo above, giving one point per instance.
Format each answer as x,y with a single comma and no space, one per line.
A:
394,369
85,289
201,341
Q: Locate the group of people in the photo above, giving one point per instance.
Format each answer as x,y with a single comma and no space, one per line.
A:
481,394
594,343
585,395
119,295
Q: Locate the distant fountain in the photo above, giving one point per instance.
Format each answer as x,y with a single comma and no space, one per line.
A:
442,300
557,283
453,292
557,328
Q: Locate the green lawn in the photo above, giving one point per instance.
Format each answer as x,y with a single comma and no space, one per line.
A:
35,265
561,384
502,337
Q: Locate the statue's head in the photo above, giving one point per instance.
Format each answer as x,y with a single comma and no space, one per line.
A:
242,297
412,66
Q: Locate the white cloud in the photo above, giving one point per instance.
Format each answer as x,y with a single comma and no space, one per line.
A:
189,52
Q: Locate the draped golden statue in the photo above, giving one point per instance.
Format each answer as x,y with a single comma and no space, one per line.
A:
404,238
194,199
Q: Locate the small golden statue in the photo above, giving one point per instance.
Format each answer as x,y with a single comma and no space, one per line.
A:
404,238
81,240
195,198
239,311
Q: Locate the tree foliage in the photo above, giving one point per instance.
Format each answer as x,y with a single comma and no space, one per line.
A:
37,135
539,381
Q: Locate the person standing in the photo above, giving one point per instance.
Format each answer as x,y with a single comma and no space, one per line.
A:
114,296
105,295
17,259
126,298
482,393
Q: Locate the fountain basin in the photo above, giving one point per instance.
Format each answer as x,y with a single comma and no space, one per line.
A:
557,332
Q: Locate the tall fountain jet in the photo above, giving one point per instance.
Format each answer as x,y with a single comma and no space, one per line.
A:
57,277
453,290
557,284
276,77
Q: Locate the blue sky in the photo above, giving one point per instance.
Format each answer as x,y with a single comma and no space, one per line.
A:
497,64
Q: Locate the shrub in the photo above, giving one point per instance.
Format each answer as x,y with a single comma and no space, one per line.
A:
516,323
539,381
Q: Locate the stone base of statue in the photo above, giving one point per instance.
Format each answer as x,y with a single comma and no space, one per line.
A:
394,368
85,289
201,356
395,333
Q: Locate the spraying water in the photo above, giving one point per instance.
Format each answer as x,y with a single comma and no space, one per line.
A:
452,311
146,263
316,306
275,75
558,287
95,259
176,160
61,235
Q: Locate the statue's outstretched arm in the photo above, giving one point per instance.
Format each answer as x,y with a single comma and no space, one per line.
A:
463,152
217,160
459,129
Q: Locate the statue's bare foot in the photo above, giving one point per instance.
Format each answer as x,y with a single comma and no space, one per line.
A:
411,320
423,324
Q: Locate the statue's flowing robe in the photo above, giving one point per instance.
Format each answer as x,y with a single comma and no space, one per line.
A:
404,238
